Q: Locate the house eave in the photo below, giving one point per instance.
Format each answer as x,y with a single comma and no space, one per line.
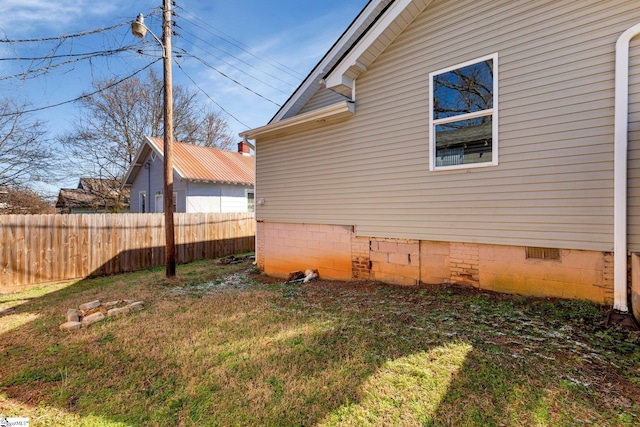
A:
341,78
137,164
311,120
206,181
312,82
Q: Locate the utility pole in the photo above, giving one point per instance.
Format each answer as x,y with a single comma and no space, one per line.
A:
140,30
170,244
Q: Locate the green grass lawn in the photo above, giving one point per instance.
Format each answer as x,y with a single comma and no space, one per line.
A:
222,345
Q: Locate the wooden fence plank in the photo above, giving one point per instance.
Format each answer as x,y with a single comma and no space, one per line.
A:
124,243
20,248
32,248
133,247
72,238
66,238
84,245
47,239
9,253
97,245
3,248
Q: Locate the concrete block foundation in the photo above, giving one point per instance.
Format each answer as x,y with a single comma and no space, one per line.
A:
338,254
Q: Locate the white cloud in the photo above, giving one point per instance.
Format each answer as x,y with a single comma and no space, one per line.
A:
23,17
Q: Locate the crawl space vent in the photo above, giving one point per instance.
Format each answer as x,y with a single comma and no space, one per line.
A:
543,253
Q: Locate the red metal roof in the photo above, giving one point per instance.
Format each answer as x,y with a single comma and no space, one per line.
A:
197,163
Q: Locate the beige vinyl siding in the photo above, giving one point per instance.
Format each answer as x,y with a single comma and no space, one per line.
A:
634,146
322,98
553,186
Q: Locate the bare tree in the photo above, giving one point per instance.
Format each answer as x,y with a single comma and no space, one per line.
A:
21,200
464,90
112,125
24,151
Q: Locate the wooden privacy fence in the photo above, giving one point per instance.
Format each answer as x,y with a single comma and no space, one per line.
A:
48,248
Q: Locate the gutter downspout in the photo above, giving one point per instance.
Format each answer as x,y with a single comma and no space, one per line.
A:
255,200
621,143
147,166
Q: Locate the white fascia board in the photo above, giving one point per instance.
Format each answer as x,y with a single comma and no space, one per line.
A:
345,74
308,120
127,176
320,69
153,146
161,154
136,161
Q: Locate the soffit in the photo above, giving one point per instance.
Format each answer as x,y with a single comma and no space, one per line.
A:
311,120
383,32
312,83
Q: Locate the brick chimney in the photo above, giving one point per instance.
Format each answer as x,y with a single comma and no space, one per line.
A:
244,148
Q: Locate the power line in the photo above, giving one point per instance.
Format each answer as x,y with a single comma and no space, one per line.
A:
86,95
41,64
72,55
211,99
233,80
242,46
240,60
68,36
33,73
234,56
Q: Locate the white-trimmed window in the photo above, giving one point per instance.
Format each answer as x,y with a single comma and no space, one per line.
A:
142,202
463,115
251,206
160,202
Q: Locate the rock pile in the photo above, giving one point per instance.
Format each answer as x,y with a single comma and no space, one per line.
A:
95,311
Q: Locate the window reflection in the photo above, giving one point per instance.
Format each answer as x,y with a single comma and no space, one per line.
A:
464,90
464,141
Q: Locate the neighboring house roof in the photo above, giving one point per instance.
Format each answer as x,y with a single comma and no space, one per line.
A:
92,193
100,186
197,163
75,198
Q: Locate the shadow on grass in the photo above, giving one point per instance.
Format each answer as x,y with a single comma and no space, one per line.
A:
219,347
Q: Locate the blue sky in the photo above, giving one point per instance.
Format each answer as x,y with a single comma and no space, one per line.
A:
265,46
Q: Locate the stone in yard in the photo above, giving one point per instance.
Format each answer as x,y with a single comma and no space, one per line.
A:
89,305
115,312
92,318
70,326
135,306
73,315
101,308
111,304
